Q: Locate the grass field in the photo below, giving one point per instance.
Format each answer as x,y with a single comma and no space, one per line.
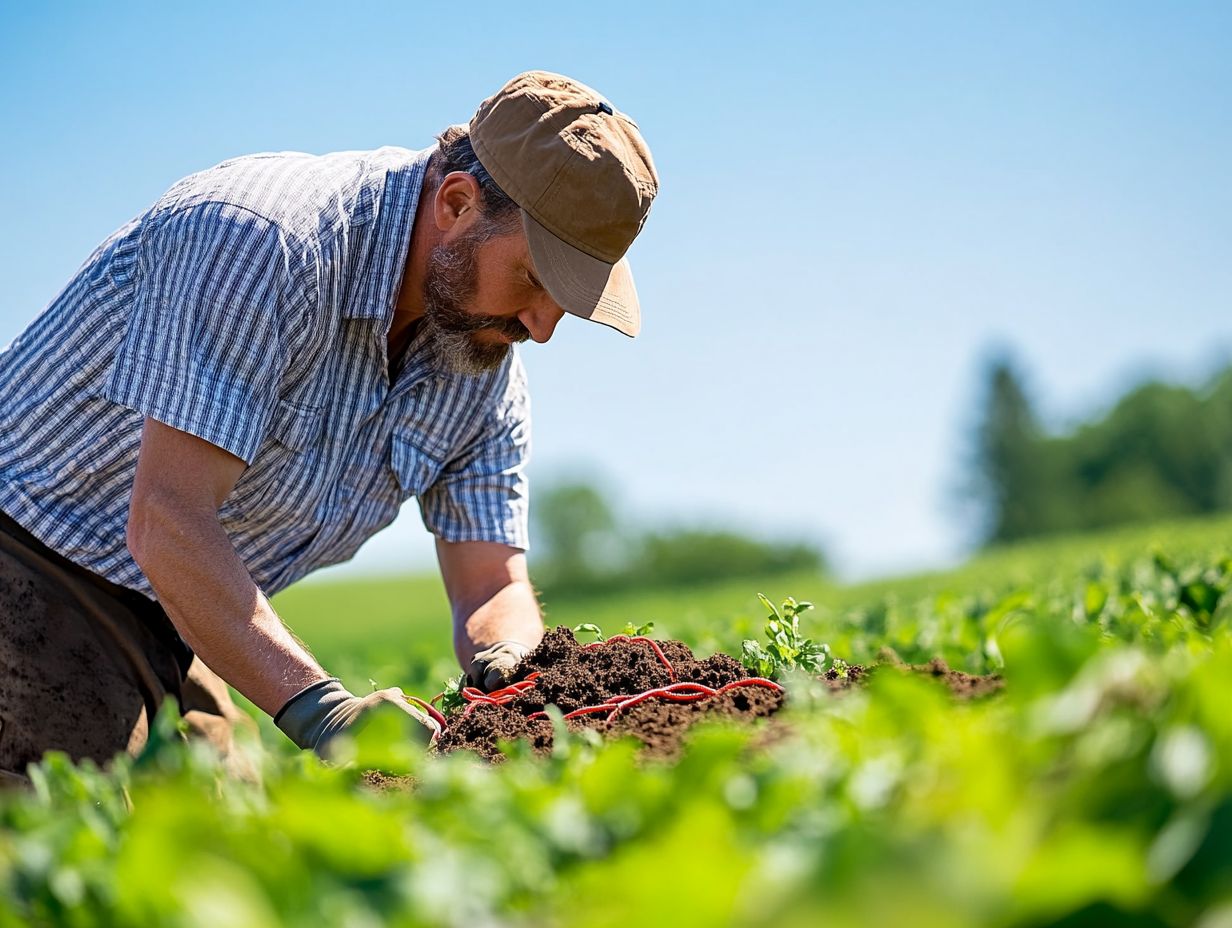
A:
397,630
1095,789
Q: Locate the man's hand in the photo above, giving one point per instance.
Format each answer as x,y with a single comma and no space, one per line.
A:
494,607
316,715
494,667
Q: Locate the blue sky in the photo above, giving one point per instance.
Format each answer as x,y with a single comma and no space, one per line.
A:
859,202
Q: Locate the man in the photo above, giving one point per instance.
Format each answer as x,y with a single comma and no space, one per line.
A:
245,382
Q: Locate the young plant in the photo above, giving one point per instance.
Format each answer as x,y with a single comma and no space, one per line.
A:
630,630
786,649
450,698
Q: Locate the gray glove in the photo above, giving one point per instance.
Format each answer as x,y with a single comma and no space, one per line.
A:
318,713
495,666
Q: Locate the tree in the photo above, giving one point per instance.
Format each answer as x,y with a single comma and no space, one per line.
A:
1007,459
579,537
1161,451
581,544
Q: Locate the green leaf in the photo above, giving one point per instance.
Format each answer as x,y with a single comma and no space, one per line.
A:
769,605
638,631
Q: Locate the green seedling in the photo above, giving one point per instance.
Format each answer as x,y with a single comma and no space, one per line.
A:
786,649
450,699
630,630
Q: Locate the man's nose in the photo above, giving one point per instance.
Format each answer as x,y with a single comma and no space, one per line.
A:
541,320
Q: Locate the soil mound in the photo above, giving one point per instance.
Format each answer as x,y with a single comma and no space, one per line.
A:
597,686
601,679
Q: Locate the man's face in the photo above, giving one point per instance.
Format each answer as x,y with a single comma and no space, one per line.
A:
480,294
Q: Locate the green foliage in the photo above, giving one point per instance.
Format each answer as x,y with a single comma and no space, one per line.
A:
1096,789
398,631
1161,451
451,694
683,556
587,549
786,649
631,630
582,540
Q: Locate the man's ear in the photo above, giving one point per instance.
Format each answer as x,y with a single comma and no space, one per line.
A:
456,203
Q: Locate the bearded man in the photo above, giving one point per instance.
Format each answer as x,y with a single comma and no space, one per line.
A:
245,382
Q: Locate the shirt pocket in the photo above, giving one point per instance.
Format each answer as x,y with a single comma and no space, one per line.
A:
296,426
414,468
279,480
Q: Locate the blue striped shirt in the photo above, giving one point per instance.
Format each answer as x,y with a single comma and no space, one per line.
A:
250,307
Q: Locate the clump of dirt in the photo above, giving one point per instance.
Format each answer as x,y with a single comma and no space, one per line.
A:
961,685
854,676
484,727
384,782
572,677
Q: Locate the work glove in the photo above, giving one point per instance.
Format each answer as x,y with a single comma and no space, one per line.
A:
317,714
495,666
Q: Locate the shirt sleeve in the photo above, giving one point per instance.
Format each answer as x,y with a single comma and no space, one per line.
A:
201,352
483,495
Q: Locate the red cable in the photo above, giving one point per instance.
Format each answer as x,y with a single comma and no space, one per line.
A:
671,671
675,692
428,708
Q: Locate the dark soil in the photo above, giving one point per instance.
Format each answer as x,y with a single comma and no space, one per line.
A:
961,685
857,675
571,678
384,782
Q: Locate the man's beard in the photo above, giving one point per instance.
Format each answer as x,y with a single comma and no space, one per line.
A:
449,282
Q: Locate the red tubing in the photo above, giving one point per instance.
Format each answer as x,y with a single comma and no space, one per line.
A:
613,705
428,708
671,671
676,692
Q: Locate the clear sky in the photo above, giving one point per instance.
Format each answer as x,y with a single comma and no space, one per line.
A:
858,203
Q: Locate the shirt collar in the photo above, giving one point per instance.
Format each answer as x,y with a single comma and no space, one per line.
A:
397,178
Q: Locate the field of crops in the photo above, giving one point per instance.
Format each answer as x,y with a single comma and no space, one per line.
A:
1093,788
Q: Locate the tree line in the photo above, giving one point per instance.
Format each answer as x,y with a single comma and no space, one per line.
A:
1162,450
582,545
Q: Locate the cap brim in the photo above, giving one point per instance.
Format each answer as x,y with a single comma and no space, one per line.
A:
584,285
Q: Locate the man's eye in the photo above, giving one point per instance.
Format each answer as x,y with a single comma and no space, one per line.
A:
530,279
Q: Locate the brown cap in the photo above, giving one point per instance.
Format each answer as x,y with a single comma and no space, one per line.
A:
582,173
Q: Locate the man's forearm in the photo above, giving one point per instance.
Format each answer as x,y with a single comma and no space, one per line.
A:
512,614
222,615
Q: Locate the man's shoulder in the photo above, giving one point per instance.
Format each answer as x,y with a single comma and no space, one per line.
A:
307,196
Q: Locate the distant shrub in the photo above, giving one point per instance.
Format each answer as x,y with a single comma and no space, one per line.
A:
582,545
699,555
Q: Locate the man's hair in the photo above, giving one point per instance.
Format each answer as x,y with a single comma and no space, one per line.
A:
456,154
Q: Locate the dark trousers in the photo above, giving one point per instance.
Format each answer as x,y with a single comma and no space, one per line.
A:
85,664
